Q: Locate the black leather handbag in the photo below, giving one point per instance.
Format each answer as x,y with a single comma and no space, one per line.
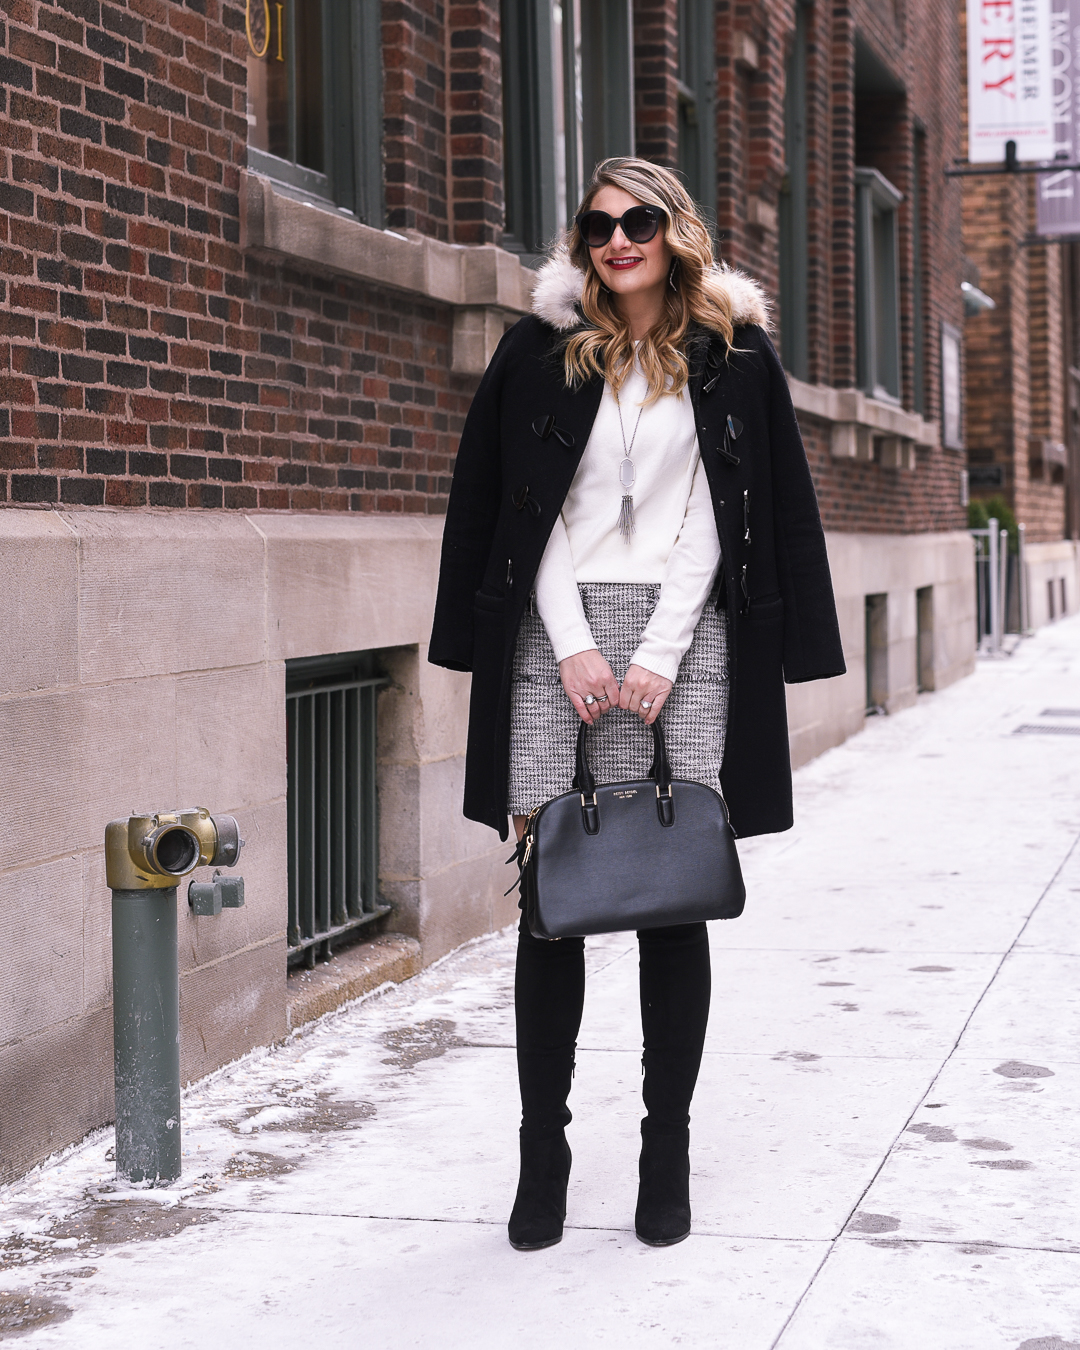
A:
628,855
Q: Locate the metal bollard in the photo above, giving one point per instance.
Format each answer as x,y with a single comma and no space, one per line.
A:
145,855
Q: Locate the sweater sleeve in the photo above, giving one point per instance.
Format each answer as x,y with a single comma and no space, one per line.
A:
558,599
688,578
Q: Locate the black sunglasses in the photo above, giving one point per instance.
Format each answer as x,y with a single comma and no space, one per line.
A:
639,224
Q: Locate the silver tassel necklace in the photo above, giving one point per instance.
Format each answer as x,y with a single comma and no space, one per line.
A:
627,475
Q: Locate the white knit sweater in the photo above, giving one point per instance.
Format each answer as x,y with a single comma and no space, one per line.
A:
675,543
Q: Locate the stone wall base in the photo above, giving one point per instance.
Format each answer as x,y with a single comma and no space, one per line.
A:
1053,580
916,649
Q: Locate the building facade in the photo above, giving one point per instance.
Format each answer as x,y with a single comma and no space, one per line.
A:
1023,384
254,260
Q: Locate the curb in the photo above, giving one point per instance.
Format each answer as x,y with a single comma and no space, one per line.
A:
387,959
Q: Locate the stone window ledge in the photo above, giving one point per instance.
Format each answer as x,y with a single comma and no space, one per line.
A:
858,421
487,286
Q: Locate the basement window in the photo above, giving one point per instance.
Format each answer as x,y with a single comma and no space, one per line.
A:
333,822
877,653
924,628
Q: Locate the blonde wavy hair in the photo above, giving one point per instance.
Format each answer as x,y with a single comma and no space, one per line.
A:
604,346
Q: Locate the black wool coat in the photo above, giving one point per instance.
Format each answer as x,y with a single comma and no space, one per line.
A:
519,450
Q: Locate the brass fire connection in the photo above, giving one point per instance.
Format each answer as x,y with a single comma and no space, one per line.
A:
150,852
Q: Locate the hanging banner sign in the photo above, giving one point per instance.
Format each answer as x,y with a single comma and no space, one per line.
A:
1057,195
1009,79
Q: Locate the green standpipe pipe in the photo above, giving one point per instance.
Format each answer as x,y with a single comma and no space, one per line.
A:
146,1034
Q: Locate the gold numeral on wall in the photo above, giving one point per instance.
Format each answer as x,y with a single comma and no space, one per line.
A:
259,51
280,31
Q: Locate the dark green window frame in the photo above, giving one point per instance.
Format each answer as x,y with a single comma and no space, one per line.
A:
877,284
794,210
697,101
350,175
918,274
568,102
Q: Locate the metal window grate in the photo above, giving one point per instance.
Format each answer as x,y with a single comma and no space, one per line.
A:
1032,729
330,713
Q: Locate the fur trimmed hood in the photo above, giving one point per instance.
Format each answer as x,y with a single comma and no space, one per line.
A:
557,294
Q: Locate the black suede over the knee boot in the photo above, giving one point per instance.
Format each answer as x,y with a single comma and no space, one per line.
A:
676,984
549,992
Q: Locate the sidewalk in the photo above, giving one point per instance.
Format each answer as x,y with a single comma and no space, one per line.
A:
885,1141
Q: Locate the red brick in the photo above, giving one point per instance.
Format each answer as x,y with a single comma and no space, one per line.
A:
125,492
34,297
32,47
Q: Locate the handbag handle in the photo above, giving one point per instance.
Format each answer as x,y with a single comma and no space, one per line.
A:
659,771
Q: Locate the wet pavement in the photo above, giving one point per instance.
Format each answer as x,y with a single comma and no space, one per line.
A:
884,1142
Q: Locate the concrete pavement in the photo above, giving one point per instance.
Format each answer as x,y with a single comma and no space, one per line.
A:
885,1145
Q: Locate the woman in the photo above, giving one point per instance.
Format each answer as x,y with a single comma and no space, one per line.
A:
632,531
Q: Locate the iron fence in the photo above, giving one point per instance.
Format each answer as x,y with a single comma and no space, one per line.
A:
333,828
1001,601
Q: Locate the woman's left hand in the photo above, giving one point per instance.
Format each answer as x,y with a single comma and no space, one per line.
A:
642,686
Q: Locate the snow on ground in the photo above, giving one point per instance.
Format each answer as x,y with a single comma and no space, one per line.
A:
884,1146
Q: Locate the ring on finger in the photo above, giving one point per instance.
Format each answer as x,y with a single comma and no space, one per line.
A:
589,700
602,698
646,704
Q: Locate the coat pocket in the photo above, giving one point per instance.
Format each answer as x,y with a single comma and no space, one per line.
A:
768,610
487,602
489,651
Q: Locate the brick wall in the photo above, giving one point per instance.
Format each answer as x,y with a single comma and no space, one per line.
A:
750,133
1047,337
475,69
843,133
414,115
656,72
751,164
442,98
1015,360
871,499
144,359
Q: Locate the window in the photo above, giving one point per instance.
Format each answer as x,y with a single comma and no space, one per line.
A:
567,103
950,388
794,198
315,99
877,653
697,109
333,830
924,627
877,300
918,277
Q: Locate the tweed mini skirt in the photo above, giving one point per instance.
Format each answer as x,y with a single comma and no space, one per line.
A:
544,725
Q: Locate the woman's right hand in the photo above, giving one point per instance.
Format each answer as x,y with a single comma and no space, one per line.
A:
588,673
